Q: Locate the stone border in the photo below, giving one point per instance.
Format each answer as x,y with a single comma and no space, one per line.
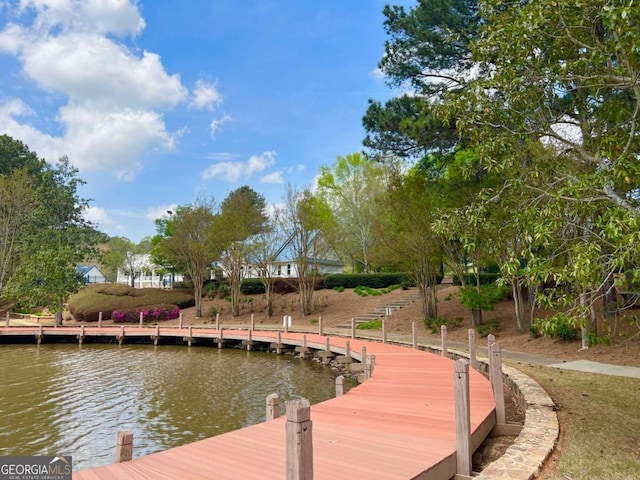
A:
524,458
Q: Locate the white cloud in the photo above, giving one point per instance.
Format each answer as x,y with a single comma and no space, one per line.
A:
205,95
234,171
377,73
100,217
162,211
274,177
217,123
114,95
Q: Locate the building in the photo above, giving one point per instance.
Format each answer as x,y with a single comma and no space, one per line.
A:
146,274
91,274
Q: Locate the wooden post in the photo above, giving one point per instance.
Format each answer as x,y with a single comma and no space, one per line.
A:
8,318
273,406
278,343
180,321
285,320
253,323
190,335
491,339
121,339
39,336
496,382
472,349
299,440
99,319
320,325
141,318
384,331
81,336
463,418
443,337
124,446
221,338
414,334
327,344
339,385
363,356
304,340
217,321
347,347
353,328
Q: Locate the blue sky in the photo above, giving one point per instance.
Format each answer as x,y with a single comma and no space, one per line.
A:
160,102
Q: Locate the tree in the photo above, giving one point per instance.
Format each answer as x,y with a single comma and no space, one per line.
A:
562,82
58,240
304,216
351,187
242,215
193,244
263,253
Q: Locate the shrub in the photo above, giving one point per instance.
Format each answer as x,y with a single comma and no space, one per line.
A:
339,289
371,280
484,278
149,314
560,326
365,291
492,326
435,324
252,286
213,311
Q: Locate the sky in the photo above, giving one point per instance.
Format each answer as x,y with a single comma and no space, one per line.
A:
158,103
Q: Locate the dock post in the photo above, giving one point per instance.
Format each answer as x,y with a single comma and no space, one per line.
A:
347,354
299,440
249,338
141,318
363,355
285,320
491,339
221,338
157,337
121,337
99,319
320,325
190,339
339,386
273,406
217,321
495,354
472,349
384,331
372,361
278,343
253,323
414,334
124,446
180,321
353,328
7,318
39,335
443,339
463,418
81,336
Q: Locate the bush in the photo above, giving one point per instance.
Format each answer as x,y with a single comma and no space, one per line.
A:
560,326
484,278
371,280
149,314
435,324
365,291
252,286
486,299
492,326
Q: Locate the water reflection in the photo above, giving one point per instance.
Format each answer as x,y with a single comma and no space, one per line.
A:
71,400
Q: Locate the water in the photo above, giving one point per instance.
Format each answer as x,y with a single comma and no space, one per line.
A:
72,400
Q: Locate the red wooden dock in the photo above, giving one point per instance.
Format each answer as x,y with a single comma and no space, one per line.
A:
398,424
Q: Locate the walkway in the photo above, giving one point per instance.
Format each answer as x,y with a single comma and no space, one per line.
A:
399,424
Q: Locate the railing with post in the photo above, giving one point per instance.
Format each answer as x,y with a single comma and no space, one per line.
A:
299,441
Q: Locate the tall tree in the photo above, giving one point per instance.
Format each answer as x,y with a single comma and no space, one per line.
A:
242,215
351,186
304,216
193,243
58,240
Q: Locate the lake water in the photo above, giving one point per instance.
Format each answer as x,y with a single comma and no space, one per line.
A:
72,400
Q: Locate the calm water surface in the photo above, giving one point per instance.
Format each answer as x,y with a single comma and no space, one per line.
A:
72,400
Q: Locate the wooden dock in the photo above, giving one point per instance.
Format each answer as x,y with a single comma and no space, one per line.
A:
398,424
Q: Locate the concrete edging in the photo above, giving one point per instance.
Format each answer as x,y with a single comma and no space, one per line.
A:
524,458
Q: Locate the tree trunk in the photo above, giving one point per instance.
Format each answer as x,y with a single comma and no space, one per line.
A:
518,300
197,293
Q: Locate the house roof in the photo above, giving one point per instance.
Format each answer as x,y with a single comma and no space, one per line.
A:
84,269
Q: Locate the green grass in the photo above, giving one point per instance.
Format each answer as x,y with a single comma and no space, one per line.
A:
599,422
371,325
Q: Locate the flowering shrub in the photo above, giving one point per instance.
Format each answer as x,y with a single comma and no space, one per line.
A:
149,314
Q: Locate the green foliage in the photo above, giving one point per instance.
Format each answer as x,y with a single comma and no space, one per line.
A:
593,339
492,326
339,289
364,291
560,326
106,298
485,278
252,286
372,280
483,299
434,324
370,325
212,312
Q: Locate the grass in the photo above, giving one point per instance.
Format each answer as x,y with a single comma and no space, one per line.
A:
370,325
599,424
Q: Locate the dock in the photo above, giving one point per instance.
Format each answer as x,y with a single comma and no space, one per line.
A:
398,424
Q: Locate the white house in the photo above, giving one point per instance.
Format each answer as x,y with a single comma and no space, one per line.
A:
147,274
91,274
